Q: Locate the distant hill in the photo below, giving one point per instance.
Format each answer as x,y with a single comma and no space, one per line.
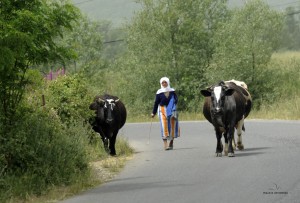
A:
116,11
120,11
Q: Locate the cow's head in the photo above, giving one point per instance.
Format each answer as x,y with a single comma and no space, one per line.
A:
104,109
217,95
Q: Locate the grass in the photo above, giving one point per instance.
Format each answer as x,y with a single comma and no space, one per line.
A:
101,172
284,109
184,116
102,168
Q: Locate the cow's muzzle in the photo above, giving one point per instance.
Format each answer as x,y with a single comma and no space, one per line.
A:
109,121
217,118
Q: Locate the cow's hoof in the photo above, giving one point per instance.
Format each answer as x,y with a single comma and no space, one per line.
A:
231,154
240,147
218,154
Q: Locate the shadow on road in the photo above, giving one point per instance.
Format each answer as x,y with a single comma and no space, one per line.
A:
251,151
255,149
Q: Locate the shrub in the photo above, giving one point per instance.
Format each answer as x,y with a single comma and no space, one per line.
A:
69,97
39,153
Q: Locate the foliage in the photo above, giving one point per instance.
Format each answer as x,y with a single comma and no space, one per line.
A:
44,146
291,30
40,153
27,37
69,97
170,38
245,45
286,65
94,47
87,41
50,145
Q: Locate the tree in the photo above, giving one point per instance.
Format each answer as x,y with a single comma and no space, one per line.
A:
291,30
173,38
28,34
86,39
245,44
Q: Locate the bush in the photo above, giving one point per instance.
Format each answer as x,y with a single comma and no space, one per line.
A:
38,153
70,98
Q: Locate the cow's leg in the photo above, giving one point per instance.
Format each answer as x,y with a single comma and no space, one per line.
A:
219,148
230,135
240,124
105,143
112,142
233,141
104,139
226,143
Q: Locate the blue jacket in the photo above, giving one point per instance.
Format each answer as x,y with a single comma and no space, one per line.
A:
162,100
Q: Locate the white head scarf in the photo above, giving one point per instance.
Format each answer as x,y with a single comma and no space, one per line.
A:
162,89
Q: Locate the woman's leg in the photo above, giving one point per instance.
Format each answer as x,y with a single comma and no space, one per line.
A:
166,147
171,144
164,125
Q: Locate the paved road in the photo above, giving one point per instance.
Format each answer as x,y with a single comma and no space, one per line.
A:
268,170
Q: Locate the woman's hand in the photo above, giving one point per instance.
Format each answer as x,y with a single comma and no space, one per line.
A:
152,115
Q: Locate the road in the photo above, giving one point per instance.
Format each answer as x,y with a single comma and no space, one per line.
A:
268,170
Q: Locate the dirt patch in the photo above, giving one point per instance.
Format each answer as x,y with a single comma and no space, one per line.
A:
107,169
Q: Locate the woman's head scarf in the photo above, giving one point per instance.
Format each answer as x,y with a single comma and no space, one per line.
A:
162,89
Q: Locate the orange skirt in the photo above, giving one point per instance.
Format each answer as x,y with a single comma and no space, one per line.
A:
169,126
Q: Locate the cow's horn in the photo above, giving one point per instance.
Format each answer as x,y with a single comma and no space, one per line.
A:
100,100
117,100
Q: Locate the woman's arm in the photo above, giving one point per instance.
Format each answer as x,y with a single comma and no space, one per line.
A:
156,102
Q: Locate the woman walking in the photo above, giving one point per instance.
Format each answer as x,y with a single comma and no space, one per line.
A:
165,105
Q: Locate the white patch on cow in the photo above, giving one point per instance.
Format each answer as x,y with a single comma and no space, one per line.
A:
226,149
239,128
239,83
110,101
217,91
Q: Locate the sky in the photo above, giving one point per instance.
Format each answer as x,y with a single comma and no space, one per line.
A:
121,11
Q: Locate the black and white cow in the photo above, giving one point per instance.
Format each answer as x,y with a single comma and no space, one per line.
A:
226,106
110,117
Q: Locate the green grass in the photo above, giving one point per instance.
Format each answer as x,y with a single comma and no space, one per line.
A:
284,109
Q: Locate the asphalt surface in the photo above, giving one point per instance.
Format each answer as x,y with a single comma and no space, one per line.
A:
267,170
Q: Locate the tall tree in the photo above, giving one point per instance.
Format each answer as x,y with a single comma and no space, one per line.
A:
245,44
86,38
173,38
28,34
291,30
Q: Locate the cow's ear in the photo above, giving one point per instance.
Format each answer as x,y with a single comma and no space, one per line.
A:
229,92
93,106
205,93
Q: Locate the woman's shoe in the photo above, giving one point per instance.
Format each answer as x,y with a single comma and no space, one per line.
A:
166,145
171,145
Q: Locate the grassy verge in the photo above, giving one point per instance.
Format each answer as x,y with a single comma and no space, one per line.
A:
284,109
102,168
184,116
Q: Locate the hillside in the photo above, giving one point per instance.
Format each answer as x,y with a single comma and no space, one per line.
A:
116,11
120,11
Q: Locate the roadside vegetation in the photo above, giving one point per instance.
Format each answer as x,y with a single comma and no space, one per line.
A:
48,150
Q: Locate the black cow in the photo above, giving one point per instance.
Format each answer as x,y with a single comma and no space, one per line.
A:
110,117
226,106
